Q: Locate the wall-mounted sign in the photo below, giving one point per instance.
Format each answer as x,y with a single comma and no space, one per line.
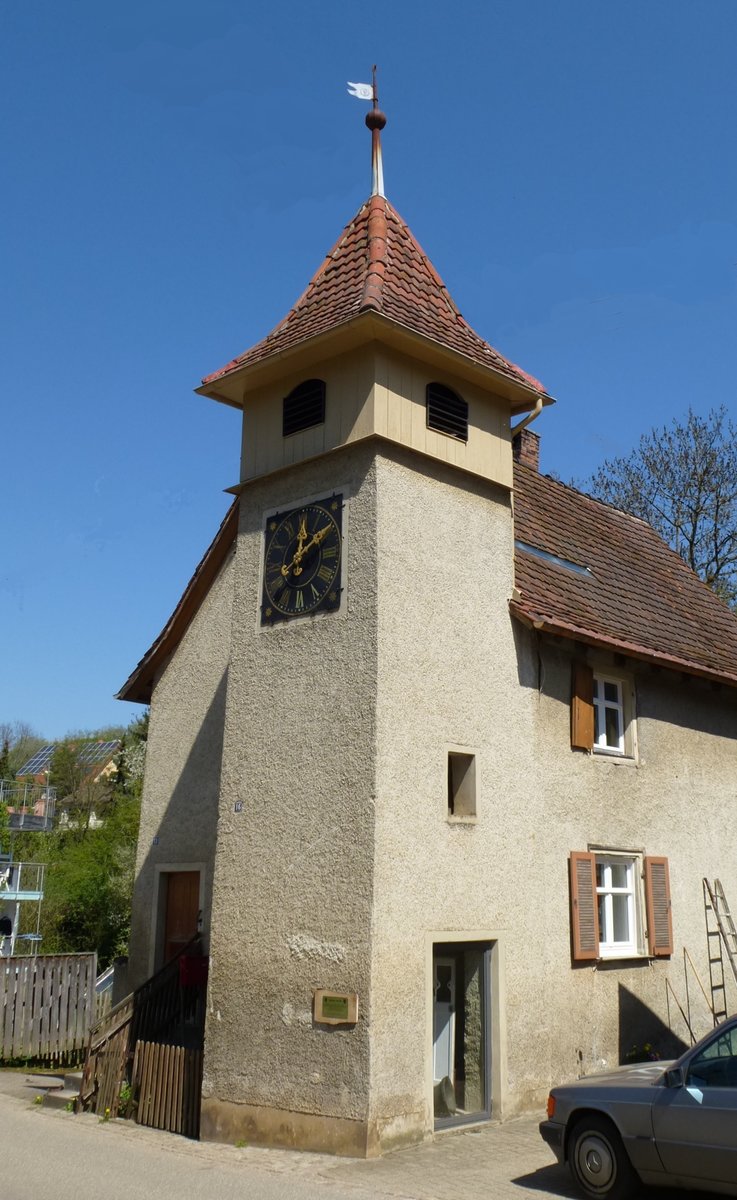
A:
335,1008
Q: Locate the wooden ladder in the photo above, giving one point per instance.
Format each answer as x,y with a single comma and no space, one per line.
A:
721,935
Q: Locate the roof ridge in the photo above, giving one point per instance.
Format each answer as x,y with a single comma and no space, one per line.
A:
587,496
373,287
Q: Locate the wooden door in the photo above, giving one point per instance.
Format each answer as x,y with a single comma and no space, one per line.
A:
182,910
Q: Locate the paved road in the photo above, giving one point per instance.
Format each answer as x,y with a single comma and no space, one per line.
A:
52,1155
55,1155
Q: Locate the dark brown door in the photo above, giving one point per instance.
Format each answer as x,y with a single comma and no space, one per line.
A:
182,910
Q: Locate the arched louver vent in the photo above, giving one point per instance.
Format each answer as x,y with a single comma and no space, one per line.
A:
447,412
304,407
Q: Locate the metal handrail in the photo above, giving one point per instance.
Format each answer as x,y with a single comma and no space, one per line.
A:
28,799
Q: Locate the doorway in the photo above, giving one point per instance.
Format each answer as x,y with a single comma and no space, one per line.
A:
461,1032
181,904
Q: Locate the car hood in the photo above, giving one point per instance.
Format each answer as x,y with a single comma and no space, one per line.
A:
633,1075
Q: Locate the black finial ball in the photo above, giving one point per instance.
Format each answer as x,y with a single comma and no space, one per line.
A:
376,119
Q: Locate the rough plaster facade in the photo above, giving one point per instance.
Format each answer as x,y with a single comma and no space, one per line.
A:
342,868
182,782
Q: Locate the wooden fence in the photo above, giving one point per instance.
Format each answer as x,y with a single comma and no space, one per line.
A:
47,1006
153,1041
166,1085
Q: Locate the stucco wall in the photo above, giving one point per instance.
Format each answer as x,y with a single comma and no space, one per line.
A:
677,798
182,779
294,872
448,680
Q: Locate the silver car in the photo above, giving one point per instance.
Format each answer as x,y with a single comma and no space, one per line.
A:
669,1124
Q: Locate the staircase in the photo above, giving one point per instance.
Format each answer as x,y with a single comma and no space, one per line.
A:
132,1048
62,1092
721,936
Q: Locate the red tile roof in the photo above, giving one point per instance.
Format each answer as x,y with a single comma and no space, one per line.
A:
638,595
377,266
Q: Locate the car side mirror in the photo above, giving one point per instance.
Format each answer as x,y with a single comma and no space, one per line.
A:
674,1077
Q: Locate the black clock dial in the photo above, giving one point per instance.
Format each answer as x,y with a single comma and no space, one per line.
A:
302,561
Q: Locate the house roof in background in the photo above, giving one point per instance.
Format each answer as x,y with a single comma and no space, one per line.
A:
378,266
90,755
634,594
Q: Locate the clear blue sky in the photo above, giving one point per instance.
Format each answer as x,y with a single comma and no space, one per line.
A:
174,173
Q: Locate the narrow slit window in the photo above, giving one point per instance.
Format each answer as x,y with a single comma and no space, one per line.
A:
304,407
461,785
447,412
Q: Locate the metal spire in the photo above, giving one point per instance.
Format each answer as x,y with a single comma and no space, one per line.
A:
376,120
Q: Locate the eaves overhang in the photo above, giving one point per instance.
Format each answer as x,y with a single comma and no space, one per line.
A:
233,385
543,623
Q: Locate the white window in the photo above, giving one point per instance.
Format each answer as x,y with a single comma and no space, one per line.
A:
619,905
609,723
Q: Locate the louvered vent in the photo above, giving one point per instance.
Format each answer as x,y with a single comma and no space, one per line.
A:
304,407
447,412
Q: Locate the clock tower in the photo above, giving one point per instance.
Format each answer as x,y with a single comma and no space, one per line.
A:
371,687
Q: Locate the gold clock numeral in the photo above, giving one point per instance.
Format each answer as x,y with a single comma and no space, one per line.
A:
330,552
325,574
299,601
315,594
289,528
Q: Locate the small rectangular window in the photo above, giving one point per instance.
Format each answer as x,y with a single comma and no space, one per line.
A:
304,407
461,785
447,412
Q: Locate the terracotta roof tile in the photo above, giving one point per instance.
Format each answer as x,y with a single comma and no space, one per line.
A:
638,595
377,265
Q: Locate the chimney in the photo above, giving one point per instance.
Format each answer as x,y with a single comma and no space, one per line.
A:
526,449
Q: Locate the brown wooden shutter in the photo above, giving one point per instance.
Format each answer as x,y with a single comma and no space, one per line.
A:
582,707
658,906
584,908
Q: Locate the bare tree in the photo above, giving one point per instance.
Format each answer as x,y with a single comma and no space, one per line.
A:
22,741
682,479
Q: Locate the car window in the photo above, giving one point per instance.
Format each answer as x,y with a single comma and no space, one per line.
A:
716,1064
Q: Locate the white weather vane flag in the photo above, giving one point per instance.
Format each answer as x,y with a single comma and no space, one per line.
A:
362,91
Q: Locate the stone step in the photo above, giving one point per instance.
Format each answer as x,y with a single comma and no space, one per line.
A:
73,1080
61,1098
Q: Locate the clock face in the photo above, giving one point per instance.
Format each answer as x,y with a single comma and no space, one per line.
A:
302,561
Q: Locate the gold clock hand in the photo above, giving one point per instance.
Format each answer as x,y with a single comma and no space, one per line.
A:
302,550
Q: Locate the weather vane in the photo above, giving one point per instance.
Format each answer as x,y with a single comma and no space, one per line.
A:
376,120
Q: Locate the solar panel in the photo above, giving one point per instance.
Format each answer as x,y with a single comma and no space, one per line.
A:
38,762
88,754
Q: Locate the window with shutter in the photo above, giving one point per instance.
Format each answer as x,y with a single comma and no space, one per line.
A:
602,712
304,407
447,412
612,892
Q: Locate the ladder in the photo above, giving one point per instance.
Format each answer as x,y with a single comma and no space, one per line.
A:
721,935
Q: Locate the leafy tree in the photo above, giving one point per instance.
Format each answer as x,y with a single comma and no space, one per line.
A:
682,479
5,771
90,868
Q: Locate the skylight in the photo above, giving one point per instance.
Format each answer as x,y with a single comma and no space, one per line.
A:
552,558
